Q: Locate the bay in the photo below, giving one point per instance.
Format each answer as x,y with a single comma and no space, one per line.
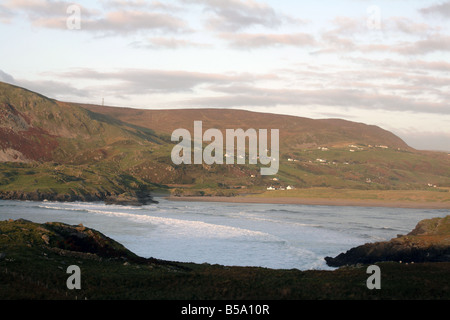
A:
275,236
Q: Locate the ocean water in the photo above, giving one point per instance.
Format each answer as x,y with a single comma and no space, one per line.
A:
264,235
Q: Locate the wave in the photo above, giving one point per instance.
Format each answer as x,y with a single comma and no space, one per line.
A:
61,208
102,205
177,227
384,228
191,228
282,210
256,217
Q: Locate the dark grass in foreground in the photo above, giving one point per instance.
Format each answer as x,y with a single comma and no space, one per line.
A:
35,257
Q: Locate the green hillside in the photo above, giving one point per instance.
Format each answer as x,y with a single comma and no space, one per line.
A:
51,149
65,151
329,153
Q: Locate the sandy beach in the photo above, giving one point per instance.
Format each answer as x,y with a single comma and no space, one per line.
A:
320,202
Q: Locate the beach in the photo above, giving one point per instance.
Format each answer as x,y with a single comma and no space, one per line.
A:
319,202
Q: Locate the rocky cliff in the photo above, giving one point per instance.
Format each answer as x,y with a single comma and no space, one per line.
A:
428,242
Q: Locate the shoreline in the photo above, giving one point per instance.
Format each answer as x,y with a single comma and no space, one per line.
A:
315,202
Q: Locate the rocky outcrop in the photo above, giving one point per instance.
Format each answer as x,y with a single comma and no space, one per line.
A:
82,239
132,199
64,239
428,242
41,196
129,198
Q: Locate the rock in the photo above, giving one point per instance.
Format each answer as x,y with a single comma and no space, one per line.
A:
46,238
131,199
134,198
82,239
428,242
2,255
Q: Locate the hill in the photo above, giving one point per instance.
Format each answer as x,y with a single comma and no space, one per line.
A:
65,151
328,153
53,150
295,132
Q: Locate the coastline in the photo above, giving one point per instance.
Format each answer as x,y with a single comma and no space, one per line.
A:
317,202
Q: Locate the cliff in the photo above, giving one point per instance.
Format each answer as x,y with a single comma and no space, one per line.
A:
428,242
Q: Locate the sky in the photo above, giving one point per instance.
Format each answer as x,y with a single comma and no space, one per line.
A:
384,63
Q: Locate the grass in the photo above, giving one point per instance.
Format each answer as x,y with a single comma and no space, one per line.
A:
352,194
59,182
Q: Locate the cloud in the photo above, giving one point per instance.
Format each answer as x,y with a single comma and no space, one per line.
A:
433,43
409,27
251,96
167,43
38,7
415,86
261,40
122,23
399,35
121,17
49,88
6,14
6,77
52,89
125,22
237,15
143,81
139,5
438,141
442,10
36,10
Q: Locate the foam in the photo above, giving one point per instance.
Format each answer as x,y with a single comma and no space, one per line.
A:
189,228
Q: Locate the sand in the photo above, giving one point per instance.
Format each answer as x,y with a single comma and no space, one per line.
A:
320,202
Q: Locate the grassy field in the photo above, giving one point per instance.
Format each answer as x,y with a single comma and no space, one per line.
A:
441,195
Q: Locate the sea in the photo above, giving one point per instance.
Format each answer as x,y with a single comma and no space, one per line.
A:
277,236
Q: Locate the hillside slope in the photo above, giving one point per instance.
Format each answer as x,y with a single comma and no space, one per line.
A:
295,132
54,150
65,151
314,153
41,129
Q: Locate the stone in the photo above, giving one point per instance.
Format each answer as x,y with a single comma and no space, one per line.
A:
46,238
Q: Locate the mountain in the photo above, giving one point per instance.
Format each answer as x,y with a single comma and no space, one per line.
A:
314,153
295,132
66,151
36,128
50,149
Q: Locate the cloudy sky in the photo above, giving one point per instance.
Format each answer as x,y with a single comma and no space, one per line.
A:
381,62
